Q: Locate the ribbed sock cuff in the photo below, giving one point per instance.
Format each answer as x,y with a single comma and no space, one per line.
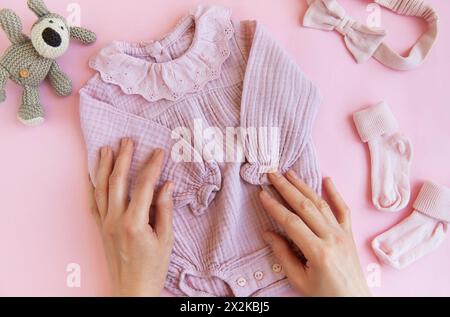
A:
434,201
375,121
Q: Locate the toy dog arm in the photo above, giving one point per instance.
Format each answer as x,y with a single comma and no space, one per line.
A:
11,24
60,82
83,35
3,78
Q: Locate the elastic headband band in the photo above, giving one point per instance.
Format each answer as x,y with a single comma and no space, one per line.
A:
365,42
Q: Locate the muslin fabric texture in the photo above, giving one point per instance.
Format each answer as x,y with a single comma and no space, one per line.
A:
210,71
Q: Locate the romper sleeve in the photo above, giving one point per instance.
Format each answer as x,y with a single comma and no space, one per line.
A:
307,168
196,182
279,105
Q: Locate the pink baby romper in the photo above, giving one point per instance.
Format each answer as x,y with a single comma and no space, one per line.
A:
209,72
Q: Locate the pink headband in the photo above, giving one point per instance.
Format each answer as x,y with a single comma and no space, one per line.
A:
365,42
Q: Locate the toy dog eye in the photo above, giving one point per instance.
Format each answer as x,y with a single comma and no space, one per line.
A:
51,21
62,28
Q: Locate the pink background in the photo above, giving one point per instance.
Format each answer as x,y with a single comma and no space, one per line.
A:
45,223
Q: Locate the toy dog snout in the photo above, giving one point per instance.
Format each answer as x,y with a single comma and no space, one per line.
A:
51,37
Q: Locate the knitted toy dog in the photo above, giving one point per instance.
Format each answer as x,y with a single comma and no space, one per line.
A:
29,61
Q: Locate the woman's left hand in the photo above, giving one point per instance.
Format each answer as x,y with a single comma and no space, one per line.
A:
322,231
137,253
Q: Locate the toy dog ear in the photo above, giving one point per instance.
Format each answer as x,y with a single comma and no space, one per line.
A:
11,24
83,35
38,7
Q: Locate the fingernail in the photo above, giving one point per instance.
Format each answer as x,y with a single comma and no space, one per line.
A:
266,195
169,189
268,238
292,174
276,174
329,181
125,143
104,152
157,152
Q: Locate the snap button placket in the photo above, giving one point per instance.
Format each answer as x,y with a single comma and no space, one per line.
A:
277,268
259,276
242,282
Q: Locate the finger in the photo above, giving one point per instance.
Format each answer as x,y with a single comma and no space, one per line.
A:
292,266
292,224
341,210
304,207
93,204
142,196
164,212
309,193
118,181
102,179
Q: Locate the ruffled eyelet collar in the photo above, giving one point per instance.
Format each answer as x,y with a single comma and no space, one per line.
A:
122,63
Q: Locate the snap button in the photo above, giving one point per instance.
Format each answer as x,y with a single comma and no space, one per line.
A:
175,95
228,31
259,275
241,282
24,73
277,268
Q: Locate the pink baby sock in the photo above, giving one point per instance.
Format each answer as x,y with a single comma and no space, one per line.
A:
419,234
390,154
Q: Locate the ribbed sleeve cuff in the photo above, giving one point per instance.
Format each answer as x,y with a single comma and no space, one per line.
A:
375,121
434,201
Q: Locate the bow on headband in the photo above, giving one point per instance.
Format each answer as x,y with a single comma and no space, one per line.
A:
365,42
